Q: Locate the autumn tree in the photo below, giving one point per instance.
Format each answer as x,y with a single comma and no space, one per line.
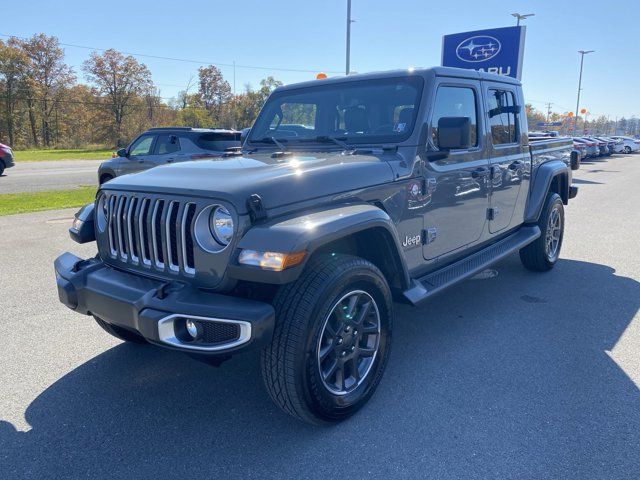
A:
120,80
13,63
48,76
214,91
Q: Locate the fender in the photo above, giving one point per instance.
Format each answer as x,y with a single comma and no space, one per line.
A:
310,231
540,185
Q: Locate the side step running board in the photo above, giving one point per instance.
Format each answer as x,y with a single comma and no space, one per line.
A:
425,287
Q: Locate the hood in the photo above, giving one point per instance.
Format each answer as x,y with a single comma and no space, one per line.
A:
278,181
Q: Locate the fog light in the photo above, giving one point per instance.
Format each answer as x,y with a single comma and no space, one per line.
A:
193,328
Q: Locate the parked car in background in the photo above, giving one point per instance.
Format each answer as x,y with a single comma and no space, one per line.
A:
592,146
602,146
580,147
6,157
611,144
629,144
159,146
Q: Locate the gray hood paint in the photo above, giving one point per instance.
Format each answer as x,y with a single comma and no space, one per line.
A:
279,181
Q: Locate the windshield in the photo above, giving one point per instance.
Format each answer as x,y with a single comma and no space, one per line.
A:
366,111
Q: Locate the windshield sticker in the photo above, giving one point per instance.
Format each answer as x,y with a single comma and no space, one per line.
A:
401,127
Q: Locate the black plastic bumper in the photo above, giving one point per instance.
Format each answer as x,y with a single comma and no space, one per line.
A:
138,303
573,191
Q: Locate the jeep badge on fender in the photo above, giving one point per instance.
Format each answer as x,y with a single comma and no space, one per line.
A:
298,244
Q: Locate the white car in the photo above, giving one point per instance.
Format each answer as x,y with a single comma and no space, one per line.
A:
629,144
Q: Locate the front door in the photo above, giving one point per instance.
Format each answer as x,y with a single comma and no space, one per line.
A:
139,156
508,158
457,183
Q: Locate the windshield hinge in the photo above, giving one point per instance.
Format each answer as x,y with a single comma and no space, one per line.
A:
257,211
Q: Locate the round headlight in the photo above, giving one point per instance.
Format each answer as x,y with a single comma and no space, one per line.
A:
221,223
102,212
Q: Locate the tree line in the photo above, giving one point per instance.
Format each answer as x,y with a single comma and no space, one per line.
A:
43,103
600,124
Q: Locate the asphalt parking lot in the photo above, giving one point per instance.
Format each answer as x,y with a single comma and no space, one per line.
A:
54,175
519,375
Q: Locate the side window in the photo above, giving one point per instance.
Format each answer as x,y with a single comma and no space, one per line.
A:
455,102
503,121
167,143
141,146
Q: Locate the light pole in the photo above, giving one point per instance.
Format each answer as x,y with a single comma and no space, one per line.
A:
521,17
349,22
582,54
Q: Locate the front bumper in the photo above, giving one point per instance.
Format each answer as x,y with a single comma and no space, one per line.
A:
7,159
149,306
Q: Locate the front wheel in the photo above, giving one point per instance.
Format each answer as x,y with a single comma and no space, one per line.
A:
543,254
627,149
331,340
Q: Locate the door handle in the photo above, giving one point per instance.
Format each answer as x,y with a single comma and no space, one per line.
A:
480,172
516,165
170,160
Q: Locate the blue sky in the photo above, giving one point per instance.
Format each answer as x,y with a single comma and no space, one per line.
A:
309,35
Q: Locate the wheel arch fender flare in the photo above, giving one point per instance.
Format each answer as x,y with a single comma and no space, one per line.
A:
311,231
550,176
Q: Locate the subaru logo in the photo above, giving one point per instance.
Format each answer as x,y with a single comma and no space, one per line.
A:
478,49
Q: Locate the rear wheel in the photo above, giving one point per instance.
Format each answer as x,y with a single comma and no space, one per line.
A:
543,254
119,332
627,149
331,340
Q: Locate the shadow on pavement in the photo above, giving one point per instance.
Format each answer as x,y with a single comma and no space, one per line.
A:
499,378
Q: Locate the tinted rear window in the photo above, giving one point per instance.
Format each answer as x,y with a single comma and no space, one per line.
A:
218,141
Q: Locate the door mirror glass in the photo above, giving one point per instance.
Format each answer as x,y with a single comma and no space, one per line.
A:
122,152
454,133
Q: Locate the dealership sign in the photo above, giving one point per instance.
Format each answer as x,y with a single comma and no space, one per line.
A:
499,50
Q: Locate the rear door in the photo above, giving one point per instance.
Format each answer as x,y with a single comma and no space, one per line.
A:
457,184
167,149
509,159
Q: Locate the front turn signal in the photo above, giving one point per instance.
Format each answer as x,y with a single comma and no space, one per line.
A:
274,261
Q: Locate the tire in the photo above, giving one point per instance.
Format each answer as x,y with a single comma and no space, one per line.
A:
308,316
627,149
105,178
542,255
1,167
119,332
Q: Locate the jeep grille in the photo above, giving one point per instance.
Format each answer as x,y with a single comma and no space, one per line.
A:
154,232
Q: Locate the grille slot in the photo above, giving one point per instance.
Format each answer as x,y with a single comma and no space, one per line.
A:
218,332
151,232
187,235
156,233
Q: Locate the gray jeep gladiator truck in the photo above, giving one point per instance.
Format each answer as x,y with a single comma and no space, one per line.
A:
391,187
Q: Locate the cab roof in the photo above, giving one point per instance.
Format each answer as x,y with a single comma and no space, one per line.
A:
423,72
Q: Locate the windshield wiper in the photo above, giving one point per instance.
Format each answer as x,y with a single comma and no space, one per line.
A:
345,146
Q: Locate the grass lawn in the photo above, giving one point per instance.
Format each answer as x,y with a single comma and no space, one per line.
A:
40,155
11,203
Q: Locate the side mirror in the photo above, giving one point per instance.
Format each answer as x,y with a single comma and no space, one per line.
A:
454,133
122,152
